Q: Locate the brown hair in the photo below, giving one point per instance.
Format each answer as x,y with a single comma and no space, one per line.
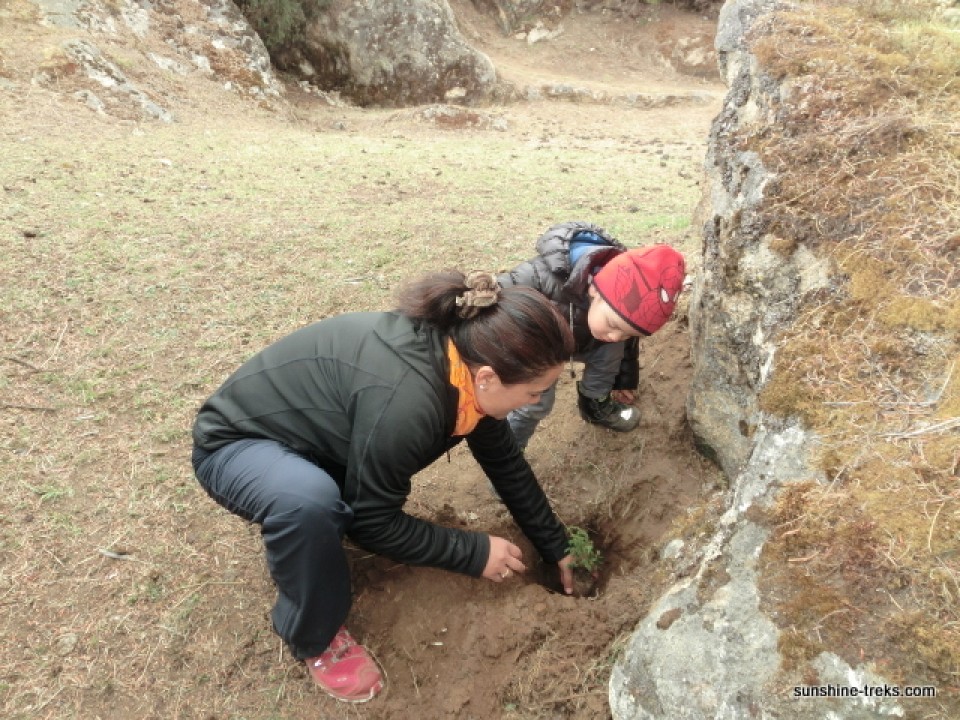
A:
516,330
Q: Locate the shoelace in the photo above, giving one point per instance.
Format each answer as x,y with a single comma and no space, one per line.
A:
605,406
332,655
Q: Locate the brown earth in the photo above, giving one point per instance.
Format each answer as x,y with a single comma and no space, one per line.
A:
451,646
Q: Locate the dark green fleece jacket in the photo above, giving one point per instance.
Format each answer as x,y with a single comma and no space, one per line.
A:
366,396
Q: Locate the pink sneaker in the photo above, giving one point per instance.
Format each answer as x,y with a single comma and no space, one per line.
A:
346,670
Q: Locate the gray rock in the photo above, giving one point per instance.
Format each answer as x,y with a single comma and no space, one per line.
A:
393,53
707,651
672,549
736,17
734,313
59,13
91,100
102,71
216,29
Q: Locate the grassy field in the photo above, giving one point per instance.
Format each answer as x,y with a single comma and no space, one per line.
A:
143,262
141,265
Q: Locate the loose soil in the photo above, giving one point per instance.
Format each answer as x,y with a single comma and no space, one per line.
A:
451,646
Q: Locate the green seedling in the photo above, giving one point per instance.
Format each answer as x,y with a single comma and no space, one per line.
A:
581,547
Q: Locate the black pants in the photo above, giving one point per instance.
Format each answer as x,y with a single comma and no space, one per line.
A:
302,521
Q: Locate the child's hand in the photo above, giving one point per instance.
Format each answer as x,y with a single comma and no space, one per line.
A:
627,397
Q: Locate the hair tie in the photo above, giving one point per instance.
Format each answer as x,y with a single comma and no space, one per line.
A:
483,291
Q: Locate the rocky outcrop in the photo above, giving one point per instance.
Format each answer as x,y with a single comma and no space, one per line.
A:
208,39
392,53
747,289
692,55
708,650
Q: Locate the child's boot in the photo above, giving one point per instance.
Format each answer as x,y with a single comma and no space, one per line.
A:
608,412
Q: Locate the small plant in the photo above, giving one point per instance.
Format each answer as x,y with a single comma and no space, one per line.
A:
581,547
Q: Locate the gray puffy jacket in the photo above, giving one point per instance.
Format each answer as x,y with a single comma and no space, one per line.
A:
552,274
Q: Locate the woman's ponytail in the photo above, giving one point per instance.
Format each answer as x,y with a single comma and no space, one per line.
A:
516,331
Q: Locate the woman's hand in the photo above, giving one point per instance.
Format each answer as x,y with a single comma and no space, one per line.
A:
627,397
505,559
566,574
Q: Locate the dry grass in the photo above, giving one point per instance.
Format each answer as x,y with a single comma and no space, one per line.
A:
141,265
867,156
144,261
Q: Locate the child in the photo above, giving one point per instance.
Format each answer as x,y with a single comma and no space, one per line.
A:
611,296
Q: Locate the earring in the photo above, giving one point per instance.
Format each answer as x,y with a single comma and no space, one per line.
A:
483,387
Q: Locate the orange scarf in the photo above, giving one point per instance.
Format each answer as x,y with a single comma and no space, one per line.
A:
468,412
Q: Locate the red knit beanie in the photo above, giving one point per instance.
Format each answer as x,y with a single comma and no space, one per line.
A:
642,285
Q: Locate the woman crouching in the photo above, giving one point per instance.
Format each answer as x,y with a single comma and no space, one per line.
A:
318,435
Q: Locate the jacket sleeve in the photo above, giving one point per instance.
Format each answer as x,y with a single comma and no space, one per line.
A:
628,377
526,274
397,438
495,449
